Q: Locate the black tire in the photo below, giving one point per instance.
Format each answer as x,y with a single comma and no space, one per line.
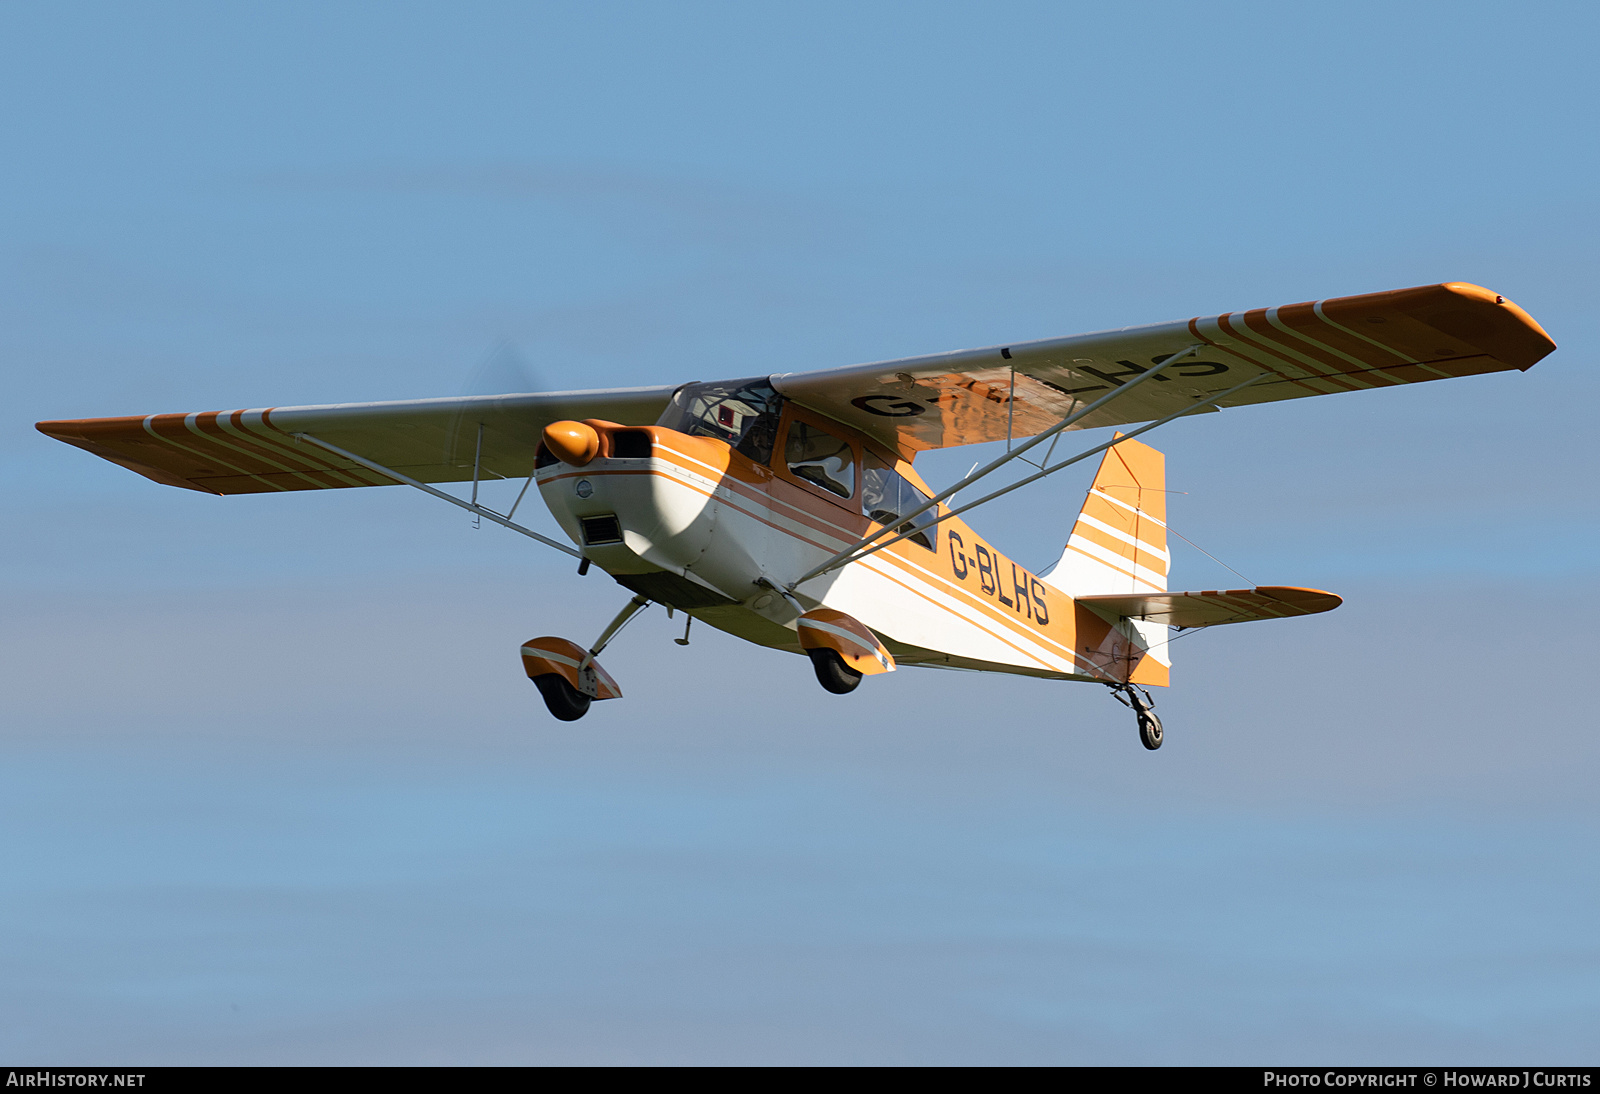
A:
832,672
1149,730
565,701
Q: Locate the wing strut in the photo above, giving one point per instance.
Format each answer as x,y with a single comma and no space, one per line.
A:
849,554
471,507
844,556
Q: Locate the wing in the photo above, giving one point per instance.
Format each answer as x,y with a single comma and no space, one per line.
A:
432,440
1210,609
1346,344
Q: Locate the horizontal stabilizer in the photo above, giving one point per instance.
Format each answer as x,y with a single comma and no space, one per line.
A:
1211,608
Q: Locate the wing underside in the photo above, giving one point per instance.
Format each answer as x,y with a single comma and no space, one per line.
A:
431,440
1350,343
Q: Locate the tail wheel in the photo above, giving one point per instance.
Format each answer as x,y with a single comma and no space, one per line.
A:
832,673
565,701
1149,730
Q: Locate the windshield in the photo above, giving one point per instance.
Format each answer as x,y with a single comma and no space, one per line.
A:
886,494
743,413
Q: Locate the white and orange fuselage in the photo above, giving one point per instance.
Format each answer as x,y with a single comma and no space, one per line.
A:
692,523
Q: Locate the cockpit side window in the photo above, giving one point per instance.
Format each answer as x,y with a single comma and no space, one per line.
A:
885,494
820,458
744,413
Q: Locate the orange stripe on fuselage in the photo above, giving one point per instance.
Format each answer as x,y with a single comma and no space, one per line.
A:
800,516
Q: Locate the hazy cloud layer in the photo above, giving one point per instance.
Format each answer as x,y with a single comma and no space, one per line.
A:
300,904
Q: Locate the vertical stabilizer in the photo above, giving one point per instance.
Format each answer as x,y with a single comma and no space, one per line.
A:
1119,543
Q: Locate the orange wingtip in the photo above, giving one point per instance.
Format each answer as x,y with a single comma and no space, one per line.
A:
1309,601
1471,319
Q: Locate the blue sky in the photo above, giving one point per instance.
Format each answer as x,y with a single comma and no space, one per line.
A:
276,791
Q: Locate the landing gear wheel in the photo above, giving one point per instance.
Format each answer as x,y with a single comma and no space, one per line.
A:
565,701
1138,700
1149,730
832,672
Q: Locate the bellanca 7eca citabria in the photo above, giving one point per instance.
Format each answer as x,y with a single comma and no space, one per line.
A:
786,509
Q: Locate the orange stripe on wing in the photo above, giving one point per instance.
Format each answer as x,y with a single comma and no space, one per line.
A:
1194,329
271,458
287,447
173,429
1316,358
1241,333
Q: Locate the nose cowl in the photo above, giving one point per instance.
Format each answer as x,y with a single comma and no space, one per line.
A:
572,442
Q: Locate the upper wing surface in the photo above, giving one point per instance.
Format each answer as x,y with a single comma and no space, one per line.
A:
432,440
1348,343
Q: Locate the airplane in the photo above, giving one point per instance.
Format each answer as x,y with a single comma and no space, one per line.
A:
786,509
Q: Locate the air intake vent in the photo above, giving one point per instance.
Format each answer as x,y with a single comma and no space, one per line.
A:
630,444
543,457
601,530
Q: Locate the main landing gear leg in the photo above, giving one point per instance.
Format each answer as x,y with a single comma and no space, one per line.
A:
1143,707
